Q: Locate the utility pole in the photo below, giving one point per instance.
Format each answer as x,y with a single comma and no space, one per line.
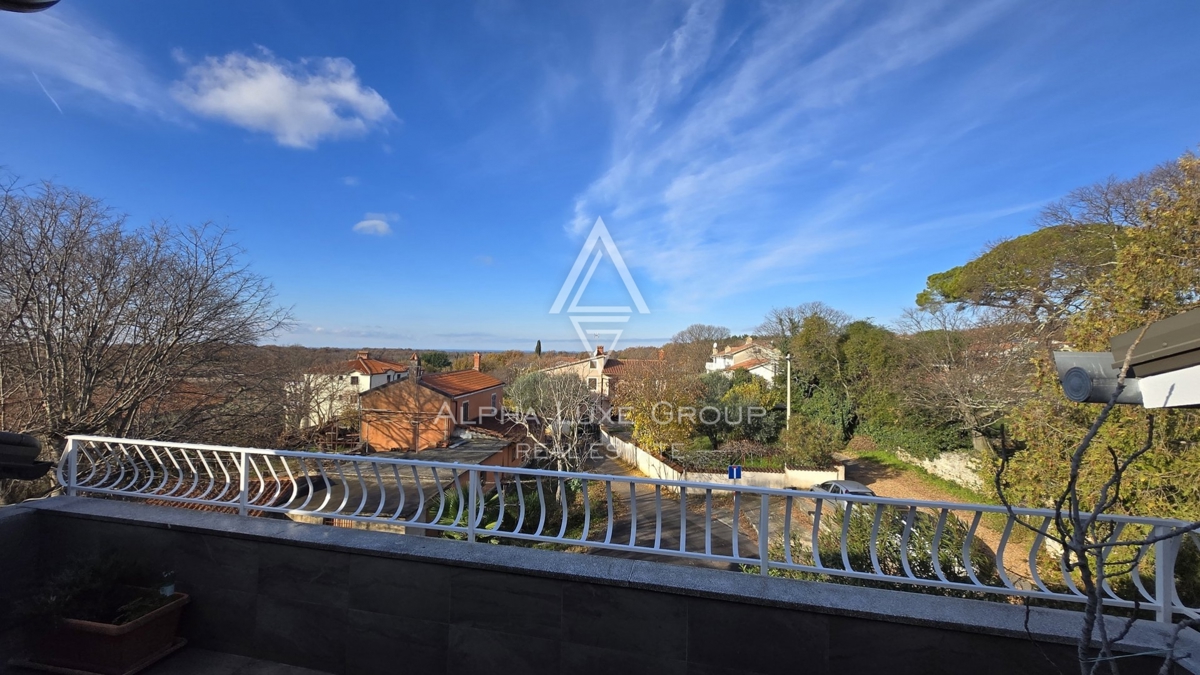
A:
789,390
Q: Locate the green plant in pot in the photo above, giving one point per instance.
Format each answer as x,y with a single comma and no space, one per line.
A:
109,616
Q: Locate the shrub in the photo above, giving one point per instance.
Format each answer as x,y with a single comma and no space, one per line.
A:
110,590
810,443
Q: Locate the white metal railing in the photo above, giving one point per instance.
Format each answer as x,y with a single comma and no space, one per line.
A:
966,548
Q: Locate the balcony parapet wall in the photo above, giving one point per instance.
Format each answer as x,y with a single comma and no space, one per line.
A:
353,601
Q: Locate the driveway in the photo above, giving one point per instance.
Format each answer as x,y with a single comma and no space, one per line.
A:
645,503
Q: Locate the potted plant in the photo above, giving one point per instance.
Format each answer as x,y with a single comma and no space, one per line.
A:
108,616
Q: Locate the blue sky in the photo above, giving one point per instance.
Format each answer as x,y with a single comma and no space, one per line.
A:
424,174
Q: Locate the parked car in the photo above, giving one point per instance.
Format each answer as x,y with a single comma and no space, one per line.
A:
843,487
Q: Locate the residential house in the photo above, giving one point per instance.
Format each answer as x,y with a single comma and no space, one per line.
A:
600,370
754,357
333,389
432,410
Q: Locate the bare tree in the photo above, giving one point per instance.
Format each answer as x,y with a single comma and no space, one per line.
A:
702,333
1116,202
692,346
783,323
557,411
970,367
110,329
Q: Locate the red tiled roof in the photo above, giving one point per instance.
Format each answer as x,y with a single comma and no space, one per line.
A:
459,382
614,367
737,349
752,363
365,366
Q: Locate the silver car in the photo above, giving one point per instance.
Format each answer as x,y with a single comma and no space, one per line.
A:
843,487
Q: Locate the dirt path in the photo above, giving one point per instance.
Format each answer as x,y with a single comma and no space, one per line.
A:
889,482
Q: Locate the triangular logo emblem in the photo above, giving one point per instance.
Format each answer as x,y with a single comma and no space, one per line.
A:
598,244
592,250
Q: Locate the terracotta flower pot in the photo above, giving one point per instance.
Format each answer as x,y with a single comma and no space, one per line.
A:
107,649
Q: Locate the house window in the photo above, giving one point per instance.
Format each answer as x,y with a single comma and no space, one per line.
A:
592,383
354,380
592,365
466,406
493,401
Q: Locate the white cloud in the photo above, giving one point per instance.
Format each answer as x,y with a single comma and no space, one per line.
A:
299,103
350,181
62,47
378,224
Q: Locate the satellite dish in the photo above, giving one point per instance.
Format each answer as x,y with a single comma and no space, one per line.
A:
26,6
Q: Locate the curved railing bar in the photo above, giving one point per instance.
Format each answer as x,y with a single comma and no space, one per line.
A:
608,500
185,473
935,547
968,542
873,542
847,514
1008,528
905,537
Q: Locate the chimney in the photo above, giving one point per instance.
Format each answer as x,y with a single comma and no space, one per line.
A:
715,349
414,367
362,354
661,355
599,350
477,356
749,339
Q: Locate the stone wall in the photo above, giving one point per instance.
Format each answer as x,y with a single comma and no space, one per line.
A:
959,466
652,466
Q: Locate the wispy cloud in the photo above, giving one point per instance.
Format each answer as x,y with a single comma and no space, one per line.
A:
65,46
299,103
350,181
378,224
725,120
347,331
47,93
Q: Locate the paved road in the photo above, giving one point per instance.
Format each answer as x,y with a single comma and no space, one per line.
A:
646,505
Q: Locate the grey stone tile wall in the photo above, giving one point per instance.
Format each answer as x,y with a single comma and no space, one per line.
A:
368,602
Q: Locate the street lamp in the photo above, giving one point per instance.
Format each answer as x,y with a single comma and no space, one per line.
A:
788,415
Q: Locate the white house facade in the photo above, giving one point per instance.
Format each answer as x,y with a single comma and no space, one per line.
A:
334,389
753,357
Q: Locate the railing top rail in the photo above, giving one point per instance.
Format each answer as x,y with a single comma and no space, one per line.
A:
690,485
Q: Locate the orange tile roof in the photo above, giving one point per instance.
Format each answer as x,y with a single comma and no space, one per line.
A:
738,349
751,363
614,367
459,382
377,367
365,366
